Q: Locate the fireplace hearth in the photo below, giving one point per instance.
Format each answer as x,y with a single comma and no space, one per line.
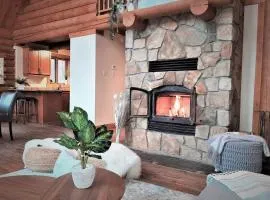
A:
171,109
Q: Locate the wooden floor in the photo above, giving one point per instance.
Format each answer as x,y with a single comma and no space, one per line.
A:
153,172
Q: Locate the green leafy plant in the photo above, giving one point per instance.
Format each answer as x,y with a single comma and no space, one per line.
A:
22,81
88,139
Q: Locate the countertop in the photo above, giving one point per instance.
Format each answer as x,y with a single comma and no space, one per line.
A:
37,90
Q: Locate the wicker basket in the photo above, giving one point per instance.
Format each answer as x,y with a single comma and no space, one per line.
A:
242,155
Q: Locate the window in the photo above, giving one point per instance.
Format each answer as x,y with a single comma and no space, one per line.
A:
61,73
53,75
59,70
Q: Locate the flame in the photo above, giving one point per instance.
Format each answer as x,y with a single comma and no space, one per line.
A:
177,109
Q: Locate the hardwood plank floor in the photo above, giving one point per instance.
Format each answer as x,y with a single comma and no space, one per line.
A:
11,151
156,173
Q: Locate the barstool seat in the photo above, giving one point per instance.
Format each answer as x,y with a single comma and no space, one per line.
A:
26,108
32,106
20,109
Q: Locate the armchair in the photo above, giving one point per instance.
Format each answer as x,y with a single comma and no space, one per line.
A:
7,102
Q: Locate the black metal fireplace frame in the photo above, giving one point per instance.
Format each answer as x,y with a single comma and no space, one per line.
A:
172,89
175,125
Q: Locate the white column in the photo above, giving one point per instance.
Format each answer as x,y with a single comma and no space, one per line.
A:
83,73
248,67
18,62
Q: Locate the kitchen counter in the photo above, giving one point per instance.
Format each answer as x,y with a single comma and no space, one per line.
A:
50,101
40,90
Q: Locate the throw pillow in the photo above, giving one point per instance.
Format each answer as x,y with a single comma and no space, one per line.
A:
64,164
40,159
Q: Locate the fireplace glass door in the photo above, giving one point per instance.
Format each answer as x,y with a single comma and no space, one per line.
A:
168,108
173,105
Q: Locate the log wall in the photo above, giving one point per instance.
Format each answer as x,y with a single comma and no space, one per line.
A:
8,12
262,78
50,19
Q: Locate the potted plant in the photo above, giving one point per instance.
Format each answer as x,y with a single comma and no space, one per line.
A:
88,140
21,83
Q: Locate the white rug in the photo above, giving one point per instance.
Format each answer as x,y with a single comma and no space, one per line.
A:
138,190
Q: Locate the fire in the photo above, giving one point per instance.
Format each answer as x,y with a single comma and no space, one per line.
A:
178,110
173,106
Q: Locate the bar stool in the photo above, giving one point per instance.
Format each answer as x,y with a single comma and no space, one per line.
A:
20,109
32,106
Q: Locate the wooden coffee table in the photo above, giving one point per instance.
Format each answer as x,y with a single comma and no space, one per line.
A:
106,186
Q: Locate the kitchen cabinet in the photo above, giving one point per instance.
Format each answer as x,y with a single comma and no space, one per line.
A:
45,62
39,62
33,66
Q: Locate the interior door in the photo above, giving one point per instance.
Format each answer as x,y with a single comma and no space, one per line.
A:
139,102
33,62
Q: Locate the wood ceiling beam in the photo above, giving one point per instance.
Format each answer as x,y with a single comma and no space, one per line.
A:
202,9
73,12
55,25
53,9
252,2
37,46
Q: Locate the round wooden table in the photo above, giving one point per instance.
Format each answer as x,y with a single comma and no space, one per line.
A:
106,186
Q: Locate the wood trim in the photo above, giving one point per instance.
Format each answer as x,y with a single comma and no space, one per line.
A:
83,33
252,2
259,67
59,56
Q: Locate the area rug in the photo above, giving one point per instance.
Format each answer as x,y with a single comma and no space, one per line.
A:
138,190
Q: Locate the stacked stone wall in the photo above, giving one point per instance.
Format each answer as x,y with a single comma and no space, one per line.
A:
218,46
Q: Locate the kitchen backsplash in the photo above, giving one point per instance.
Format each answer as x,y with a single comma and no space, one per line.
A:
37,81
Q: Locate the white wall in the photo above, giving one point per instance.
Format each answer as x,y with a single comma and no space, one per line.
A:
2,71
18,62
83,73
110,74
248,67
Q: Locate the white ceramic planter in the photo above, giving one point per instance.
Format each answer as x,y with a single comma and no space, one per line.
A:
20,87
83,178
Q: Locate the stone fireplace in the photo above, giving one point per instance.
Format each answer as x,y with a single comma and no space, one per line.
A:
170,108
176,107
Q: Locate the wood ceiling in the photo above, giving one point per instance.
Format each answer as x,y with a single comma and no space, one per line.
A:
8,12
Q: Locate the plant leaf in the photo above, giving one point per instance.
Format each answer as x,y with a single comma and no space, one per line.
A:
87,135
92,123
79,118
101,129
94,156
68,142
66,119
101,143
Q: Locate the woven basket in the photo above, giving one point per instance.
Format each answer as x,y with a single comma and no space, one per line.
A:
242,155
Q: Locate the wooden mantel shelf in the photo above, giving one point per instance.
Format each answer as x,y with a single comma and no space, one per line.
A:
202,8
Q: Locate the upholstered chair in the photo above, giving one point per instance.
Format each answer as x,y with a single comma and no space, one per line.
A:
7,103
